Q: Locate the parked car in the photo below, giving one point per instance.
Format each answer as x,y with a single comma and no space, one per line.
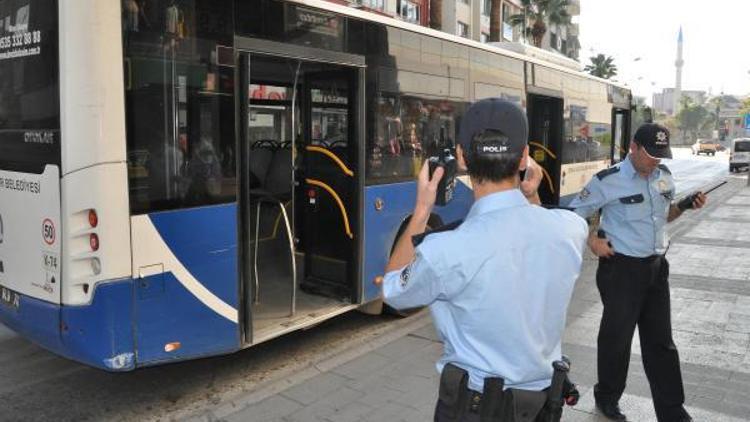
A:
739,154
705,146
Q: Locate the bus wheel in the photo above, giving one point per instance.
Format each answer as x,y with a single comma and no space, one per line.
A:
434,222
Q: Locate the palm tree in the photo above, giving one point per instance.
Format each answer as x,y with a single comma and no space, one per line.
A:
601,66
541,13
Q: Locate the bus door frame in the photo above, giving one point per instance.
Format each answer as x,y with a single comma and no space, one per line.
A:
624,143
245,48
550,97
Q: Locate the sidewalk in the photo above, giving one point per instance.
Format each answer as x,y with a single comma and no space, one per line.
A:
710,282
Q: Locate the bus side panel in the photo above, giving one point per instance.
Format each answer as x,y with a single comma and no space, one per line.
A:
187,296
101,333
382,226
35,320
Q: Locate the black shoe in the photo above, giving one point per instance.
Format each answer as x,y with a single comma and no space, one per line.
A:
611,411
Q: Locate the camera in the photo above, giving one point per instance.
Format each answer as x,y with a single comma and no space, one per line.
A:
445,159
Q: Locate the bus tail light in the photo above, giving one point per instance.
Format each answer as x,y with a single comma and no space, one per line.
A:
94,242
96,266
93,218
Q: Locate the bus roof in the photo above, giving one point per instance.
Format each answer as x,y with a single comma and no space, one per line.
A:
387,20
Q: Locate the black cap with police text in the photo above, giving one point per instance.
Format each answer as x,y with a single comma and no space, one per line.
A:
496,115
654,138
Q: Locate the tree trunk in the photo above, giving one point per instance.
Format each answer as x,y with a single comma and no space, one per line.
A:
495,21
436,14
537,32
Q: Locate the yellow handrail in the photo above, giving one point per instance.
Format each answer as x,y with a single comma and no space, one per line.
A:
538,145
549,179
332,156
338,201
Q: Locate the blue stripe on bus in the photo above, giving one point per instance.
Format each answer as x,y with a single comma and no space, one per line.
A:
122,314
382,226
204,240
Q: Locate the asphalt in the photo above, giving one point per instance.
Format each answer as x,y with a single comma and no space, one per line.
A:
393,377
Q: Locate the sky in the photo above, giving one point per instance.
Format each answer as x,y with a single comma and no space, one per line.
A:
716,42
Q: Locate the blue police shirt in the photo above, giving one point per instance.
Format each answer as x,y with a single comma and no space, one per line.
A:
498,287
634,208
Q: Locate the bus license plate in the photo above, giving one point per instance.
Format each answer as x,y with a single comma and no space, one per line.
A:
9,298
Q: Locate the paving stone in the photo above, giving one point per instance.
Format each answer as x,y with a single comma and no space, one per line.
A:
405,346
313,389
274,407
363,365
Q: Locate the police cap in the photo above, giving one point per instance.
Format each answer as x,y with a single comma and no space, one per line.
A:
654,138
503,119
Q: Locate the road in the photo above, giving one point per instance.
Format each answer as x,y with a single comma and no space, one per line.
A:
694,172
37,385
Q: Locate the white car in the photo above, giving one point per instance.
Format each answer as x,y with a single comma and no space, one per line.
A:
739,154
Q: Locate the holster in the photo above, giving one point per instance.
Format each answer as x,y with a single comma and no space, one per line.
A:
454,391
495,404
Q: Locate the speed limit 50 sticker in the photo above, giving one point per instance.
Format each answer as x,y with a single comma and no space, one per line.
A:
48,231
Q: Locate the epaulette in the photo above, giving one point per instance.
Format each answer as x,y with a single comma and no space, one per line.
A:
664,167
417,239
607,172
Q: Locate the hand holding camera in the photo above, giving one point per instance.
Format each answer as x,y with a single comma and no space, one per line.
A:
447,162
427,187
532,178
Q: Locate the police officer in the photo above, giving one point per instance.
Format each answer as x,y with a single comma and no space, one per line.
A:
636,201
498,285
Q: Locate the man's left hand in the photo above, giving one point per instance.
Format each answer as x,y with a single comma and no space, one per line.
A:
700,200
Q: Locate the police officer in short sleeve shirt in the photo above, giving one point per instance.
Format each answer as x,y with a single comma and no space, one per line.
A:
498,285
636,202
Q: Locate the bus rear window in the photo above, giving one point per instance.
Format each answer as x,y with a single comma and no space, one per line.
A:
743,146
29,85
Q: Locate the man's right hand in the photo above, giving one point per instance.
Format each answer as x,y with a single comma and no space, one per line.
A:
427,189
600,246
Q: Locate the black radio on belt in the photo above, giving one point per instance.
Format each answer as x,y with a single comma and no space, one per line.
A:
447,161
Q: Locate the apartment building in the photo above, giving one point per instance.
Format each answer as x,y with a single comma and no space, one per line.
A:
471,19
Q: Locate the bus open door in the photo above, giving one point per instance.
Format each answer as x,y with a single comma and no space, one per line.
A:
545,114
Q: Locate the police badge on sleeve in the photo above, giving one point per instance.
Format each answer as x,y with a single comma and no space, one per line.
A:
405,276
584,194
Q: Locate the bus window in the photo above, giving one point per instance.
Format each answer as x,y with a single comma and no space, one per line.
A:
179,103
29,85
408,129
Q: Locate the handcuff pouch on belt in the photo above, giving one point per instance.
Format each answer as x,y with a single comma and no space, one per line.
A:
454,391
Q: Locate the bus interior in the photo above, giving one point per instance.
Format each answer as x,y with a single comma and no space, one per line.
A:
299,191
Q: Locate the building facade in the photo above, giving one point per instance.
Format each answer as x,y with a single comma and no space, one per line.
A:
664,102
471,19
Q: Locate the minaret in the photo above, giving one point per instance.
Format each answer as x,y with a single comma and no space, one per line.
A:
678,79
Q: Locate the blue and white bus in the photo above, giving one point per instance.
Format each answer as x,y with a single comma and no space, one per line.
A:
188,178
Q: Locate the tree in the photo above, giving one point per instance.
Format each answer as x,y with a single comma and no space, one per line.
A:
692,118
601,66
540,13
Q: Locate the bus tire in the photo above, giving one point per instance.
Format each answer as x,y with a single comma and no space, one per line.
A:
433,222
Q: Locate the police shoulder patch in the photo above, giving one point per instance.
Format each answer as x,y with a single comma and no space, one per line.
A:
665,169
607,172
405,275
584,193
